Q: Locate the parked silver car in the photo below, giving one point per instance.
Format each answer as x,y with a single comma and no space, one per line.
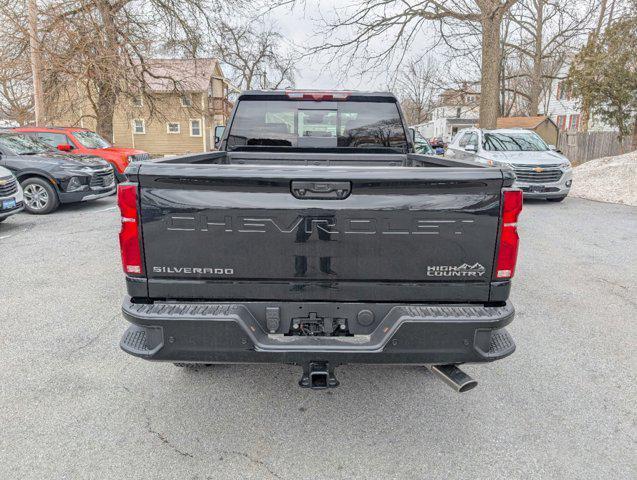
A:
11,197
541,171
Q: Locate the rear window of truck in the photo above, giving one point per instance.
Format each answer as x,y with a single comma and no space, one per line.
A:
310,124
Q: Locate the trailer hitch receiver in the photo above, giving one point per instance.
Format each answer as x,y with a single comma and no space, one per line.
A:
318,376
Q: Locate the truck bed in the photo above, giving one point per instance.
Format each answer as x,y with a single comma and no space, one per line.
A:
340,157
233,226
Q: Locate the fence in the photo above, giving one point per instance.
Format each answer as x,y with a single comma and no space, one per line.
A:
580,147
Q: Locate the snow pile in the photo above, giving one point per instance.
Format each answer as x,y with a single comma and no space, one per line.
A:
608,179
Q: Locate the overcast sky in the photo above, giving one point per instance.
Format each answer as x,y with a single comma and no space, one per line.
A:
301,27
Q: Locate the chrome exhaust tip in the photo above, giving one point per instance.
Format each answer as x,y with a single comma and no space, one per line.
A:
454,377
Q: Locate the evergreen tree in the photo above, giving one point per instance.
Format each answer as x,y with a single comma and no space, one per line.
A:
604,74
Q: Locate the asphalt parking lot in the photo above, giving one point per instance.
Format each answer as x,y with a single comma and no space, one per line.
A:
74,406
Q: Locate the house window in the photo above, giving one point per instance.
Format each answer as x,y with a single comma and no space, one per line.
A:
561,122
186,100
139,126
173,127
138,101
195,127
573,122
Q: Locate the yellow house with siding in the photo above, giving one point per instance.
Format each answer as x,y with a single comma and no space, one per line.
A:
183,101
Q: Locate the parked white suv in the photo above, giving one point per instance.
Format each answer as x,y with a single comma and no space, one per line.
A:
11,199
541,171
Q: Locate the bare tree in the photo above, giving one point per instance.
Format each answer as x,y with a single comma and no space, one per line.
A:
545,31
397,25
255,53
416,86
36,62
16,95
102,47
16,87
590,44
536,38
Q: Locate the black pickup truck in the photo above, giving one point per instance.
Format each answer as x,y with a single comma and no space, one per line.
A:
316,237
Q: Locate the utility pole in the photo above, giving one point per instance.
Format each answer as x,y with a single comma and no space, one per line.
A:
36,62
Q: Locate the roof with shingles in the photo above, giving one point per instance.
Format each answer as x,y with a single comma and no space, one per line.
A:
184,74
521,122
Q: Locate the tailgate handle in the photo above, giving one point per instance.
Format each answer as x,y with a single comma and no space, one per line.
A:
321,190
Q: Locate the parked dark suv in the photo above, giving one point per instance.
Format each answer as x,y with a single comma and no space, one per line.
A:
49,177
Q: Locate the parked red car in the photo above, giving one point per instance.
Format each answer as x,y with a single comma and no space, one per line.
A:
86,142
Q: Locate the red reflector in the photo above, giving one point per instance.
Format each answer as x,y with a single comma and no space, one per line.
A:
509,239
129,233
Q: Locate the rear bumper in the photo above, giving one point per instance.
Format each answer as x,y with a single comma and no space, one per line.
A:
235,333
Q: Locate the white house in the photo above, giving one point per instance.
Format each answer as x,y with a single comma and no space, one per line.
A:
565,109
457,109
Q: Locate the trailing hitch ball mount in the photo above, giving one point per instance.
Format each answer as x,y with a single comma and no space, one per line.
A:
318,376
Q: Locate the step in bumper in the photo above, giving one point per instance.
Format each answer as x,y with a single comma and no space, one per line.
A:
230,333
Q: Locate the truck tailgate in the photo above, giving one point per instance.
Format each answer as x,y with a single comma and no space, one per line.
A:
229,232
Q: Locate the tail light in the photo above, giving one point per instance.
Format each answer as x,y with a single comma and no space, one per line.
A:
129,234
509,240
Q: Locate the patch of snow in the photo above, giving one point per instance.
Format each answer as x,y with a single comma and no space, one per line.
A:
608,179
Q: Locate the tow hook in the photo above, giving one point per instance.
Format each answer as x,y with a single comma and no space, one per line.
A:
318,376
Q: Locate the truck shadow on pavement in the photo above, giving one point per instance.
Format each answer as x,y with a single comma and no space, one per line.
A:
249,414
359,384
